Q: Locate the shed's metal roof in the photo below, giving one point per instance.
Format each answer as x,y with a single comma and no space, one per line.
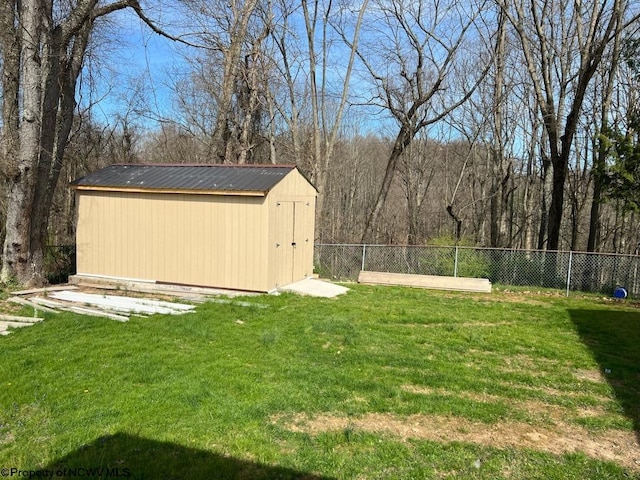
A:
202,177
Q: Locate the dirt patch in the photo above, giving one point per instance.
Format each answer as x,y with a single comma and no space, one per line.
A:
595,376
507,296
539,409
617,446
476,397
455,325
527,361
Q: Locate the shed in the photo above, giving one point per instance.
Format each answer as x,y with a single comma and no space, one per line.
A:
244,227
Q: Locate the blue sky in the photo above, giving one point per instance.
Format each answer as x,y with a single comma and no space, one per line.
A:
134,68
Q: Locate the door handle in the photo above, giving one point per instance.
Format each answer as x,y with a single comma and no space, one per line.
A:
293,244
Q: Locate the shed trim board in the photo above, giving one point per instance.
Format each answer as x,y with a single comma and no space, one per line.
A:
247,193
232,239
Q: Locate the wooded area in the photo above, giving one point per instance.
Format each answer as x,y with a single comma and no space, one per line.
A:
499,123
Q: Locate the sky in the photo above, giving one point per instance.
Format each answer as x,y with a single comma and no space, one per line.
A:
134,68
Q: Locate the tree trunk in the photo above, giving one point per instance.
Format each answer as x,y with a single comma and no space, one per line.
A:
17,265
544,213
594,217
232,57
402,141
557,202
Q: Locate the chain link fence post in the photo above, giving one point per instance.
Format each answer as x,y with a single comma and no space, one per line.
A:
364,256
455,263
569,272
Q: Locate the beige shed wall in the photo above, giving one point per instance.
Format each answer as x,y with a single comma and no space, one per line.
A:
291,220
208,240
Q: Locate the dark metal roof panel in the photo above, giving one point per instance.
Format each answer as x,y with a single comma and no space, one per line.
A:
254,178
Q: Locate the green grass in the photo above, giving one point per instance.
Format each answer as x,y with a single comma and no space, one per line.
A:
352,387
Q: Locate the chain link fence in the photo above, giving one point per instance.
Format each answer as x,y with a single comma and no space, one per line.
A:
577,271
569,271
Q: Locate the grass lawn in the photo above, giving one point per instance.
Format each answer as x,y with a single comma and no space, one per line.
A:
379,383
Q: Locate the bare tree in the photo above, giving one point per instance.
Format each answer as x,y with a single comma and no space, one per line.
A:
326,113
414,59
416,171
501,166
221,99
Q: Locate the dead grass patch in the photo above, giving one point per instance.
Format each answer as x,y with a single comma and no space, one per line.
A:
475,396
456,325
618,446
536,408
595,376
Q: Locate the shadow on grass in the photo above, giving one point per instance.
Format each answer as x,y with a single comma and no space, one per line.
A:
126,456
614,339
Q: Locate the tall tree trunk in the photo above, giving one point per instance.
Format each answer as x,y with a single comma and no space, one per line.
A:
499,179
17,259
402,141
558,180
544,215
594,216
232,57
600,157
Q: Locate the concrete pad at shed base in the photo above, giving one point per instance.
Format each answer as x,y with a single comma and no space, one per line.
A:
315,288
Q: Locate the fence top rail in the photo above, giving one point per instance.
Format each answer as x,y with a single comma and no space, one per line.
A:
466,247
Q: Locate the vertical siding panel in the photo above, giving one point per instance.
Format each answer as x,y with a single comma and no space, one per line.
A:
165,237
175,227
233,210
130,252
204,219
147,253
197,225
208,221
243,228
251,268
182,249
107,251
247,251
96,250
133,247
106,248
155,261
84,232
82,255
227,245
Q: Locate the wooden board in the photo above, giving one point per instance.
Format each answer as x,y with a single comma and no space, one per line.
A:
46,302
189,292
44,290
124,304
462,284
98,313
15,324
35,306
15,318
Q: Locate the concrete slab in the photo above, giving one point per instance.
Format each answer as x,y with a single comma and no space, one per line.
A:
315,288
